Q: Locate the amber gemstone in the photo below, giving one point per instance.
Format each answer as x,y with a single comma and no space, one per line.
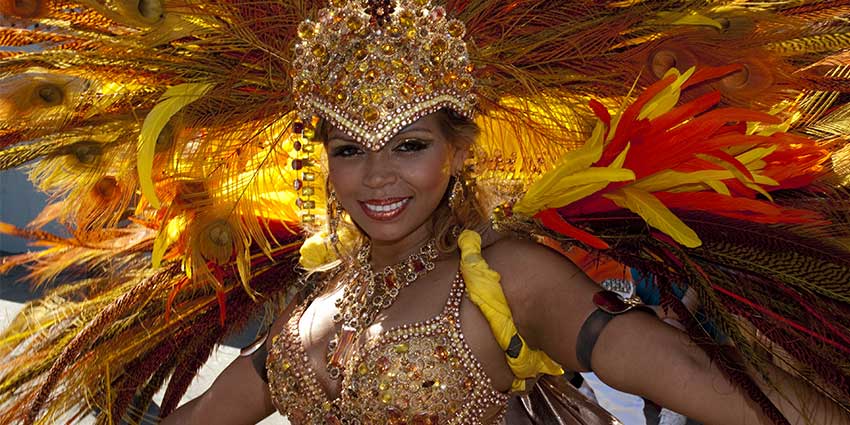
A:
370,114
306,30
406,18
439,45
456,28
425,419
354,23
441,353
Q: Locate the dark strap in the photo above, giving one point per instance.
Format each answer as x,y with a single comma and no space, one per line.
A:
588,335
258,351
608,304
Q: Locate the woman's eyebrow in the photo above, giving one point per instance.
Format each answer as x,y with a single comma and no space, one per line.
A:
412,130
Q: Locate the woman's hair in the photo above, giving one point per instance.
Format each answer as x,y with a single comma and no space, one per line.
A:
461,132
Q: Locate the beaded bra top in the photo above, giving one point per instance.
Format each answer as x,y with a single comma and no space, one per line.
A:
423,373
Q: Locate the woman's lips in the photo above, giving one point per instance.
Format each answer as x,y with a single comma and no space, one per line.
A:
384,209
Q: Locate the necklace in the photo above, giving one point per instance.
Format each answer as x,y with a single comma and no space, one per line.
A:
367,293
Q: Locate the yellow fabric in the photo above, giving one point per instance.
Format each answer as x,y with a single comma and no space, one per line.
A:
318,250
482,284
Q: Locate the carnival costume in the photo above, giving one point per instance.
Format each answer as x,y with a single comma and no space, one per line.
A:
701,142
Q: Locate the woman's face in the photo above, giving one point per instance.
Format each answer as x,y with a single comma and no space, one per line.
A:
392,193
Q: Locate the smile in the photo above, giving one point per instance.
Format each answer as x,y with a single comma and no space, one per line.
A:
384,209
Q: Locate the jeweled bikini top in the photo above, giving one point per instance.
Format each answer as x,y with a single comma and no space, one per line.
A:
415,374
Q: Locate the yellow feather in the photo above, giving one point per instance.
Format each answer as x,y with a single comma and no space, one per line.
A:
694,19
174,99
656,214
540,192
667,180
665,100
167,235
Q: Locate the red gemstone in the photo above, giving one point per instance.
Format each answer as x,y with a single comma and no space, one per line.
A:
610,302
296,145
297,164
297,184
298,127
418,265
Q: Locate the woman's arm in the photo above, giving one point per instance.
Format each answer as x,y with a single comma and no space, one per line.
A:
239,395
550,299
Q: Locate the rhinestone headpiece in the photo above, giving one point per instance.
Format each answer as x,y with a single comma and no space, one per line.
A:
373,67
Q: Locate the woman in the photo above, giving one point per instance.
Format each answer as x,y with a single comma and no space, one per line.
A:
394,195
409,316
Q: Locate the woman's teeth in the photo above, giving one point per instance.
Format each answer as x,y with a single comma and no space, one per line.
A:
384,209
387,208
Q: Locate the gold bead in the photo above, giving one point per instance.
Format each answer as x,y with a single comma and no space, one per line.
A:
360,54
401,348
387,49
319,51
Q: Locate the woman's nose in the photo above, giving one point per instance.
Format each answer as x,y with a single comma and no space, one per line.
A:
379,171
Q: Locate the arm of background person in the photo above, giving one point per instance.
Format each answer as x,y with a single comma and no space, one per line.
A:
550,299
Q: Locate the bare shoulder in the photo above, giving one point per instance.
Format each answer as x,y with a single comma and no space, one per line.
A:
527,266
547,294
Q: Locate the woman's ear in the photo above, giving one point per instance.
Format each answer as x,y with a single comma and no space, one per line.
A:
458,160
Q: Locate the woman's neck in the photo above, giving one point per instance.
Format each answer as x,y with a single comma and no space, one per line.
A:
386,253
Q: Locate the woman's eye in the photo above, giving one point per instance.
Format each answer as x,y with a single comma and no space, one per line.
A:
345,151
411,145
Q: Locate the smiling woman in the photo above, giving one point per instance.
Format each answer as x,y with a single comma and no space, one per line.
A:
401,192
484,158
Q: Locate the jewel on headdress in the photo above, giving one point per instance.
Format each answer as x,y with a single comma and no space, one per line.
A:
372,67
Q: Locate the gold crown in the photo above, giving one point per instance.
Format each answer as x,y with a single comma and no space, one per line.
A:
373,67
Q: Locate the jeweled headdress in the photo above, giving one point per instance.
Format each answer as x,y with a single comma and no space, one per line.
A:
373,67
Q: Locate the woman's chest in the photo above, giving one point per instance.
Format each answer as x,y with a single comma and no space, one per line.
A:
419,358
